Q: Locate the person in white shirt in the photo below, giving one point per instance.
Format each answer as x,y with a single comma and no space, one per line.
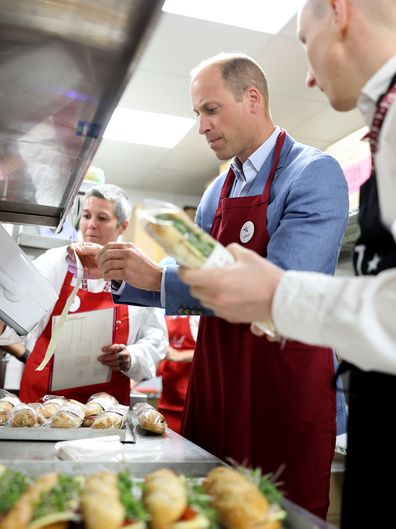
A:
140,338
351,47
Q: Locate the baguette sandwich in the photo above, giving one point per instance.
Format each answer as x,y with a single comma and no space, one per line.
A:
107,502
181,238
169,503
50,502
240,503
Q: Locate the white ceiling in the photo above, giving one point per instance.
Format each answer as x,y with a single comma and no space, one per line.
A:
161,84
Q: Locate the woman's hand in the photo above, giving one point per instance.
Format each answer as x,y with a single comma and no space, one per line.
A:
87,253
116,356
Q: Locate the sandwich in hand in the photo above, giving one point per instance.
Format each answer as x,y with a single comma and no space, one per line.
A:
180,237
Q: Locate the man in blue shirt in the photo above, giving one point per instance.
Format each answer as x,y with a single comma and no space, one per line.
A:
251,400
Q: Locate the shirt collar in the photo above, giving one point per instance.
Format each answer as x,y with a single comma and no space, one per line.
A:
249,169
374,88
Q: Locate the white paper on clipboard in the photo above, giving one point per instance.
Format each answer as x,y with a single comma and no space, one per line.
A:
80,342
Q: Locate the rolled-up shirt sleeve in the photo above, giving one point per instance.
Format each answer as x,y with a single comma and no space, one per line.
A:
355,316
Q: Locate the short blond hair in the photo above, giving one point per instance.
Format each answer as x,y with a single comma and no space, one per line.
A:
239,72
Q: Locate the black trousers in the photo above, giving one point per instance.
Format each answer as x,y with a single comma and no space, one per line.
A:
369,495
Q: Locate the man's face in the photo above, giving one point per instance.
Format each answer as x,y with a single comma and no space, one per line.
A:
222,119
329,68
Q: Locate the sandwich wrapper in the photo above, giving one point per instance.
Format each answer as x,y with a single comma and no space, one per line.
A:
95,449
186,242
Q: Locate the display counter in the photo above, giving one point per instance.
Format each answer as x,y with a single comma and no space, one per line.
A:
148,453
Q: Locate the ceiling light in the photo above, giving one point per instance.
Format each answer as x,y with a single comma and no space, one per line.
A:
258,15
147,128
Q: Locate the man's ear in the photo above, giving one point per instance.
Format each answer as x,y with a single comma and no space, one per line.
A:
254,98
340,10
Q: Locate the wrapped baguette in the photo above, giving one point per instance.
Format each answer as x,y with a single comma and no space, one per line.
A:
50,404
113,418
97,404
68,416
191,246
7,402
23,416
149,418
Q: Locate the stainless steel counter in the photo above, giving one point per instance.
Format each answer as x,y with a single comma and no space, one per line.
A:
148,453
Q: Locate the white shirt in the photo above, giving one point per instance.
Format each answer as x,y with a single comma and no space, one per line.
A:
355,316
148,335
246,173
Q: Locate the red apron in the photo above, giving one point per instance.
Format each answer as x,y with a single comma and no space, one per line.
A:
252,401
35,384
175,375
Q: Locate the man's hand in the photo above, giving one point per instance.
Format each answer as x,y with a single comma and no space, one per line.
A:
2,327
87,253
123,261
116,356
240,293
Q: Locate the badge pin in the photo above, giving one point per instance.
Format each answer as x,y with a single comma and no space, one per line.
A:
75,305
247,232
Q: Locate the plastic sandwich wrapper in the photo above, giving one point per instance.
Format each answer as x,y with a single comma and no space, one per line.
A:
186,242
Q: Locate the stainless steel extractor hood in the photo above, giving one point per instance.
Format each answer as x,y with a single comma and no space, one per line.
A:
63,67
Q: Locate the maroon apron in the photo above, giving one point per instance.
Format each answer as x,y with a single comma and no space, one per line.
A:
36,384
175,375
252,401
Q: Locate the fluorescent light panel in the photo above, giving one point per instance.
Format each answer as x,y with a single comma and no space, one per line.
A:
147,128
267,16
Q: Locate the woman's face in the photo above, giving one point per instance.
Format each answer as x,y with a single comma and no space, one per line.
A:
99,223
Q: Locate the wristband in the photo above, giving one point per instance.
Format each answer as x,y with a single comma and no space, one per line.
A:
24,357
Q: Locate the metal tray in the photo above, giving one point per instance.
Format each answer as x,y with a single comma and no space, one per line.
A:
126,434
297,518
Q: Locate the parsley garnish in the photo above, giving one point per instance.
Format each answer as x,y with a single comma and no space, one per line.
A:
264,483
134,508
61,498
12,485
201,502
